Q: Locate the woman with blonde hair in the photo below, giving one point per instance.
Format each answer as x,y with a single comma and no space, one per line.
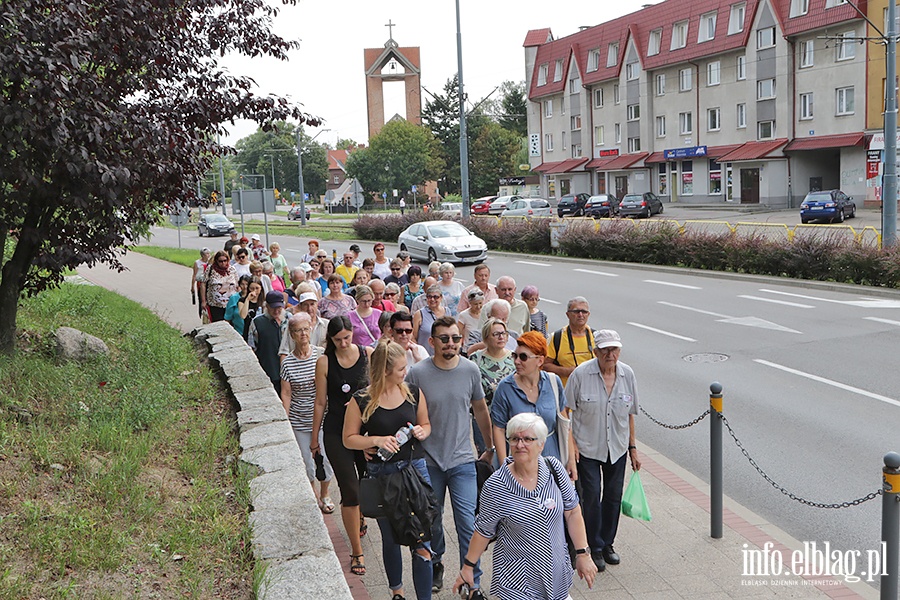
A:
384,408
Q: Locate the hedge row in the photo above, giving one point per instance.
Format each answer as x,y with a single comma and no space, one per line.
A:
824,257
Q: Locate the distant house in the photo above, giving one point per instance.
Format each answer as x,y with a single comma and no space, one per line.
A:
337,168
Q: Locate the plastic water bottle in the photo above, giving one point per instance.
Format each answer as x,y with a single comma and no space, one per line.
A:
402,435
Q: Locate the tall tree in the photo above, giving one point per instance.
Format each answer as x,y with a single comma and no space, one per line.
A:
494,153
110,109
514,106
257,152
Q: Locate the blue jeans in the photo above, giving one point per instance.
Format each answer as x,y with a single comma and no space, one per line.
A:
463,484
390,549
601,513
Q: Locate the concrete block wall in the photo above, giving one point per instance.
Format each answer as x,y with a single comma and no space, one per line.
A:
288,531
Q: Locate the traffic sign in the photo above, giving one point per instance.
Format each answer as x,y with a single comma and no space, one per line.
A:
357,199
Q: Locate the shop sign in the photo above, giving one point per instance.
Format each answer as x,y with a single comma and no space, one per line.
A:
691,152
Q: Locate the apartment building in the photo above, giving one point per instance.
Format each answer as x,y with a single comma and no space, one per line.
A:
703,101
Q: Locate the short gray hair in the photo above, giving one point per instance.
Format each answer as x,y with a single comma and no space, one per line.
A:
447,268
489,306
300,317
577,300
527,422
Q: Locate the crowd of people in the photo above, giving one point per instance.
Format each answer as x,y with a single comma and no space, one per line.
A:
365,349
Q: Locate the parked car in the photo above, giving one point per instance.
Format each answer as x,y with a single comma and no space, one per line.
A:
528,207
482,206
213,224
445,241
451,209
572,204
640,205
500,204
294,213
601,205
833,205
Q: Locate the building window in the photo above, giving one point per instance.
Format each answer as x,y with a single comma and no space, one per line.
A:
663,180
574,85
616,97
612,57
845,101
558,70
661,126
846,48
631,71
806,50
654,43
593,60
685,123
337,179
576,151
679,35
741,68
685,80
765,130
712,73
575,122
736,18
634,112
634,145
765,38
713,119
661,84
562,105
562,138
598,98
707,27
806,106
542,74
765,89
687,178
741,116
833,3
618,130
548,108
715,178
799,7
548,142
598,135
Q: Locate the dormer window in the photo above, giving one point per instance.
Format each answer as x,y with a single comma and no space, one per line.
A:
655,42
593,60
736,18
558,70
707,27
542,74
612,58
679,35
799,8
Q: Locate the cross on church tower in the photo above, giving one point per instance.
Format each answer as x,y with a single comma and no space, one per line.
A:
390,25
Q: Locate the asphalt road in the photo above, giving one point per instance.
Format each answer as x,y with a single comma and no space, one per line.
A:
810,376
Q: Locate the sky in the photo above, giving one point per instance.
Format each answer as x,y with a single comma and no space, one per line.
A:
326,73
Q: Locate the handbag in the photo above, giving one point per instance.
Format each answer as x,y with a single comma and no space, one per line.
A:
371,497
570,545
563,423
634,501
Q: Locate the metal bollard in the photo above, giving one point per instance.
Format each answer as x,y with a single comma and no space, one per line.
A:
715,460
890,524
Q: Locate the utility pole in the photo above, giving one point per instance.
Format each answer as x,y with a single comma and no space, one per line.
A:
221,174
463,141
889,176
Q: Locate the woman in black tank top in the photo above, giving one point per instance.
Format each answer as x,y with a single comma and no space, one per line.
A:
340,373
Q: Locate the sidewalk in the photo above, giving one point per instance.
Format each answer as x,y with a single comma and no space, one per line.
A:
670,557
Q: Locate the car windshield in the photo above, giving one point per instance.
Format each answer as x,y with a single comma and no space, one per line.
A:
445,230
632,198
823,197
216,219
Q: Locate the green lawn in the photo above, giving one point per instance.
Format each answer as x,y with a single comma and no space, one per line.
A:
180,256
118,476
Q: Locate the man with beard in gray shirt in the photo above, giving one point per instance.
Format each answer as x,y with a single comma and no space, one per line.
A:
452,386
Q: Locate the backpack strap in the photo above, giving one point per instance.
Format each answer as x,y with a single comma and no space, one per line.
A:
557,340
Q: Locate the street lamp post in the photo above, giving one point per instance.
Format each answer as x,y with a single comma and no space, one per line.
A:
300,174
463,141
271,157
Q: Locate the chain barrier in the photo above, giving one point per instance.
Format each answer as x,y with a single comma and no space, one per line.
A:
790,495
667,426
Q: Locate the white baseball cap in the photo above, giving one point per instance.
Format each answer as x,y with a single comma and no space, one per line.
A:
305,296
607,338
255,236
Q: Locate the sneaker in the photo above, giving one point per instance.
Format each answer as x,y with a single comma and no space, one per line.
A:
476,595
437,577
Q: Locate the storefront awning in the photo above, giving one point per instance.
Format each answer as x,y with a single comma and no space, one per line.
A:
567,165
545,167
656,157
720,151
754,151
822,142
623,161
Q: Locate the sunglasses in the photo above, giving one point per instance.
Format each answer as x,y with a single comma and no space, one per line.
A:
389,294
433,296
579,311
379,249
446,338
403,331
522,356
395,268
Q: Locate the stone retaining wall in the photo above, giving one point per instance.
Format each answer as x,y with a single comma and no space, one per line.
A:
289,533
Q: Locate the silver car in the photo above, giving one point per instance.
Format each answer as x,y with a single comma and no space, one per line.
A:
445,241
501,203
528,207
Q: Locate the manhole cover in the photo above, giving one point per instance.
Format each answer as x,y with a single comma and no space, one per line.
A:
705,357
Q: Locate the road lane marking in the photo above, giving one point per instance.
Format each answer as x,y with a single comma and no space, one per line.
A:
837,384
533,263
595,272
746,321
773,301
292,250
862,303
555,302
660,331
888,321
669,283
692,309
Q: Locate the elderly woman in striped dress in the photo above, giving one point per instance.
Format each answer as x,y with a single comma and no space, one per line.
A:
527,505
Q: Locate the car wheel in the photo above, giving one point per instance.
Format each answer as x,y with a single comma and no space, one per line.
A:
853,212
649,212
661,209
403,247
432,255
199,232
840,216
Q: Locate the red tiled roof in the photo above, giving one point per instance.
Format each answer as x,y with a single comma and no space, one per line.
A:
816,17
754,150
337,158
656,157
623,161
720,151
536,37
567,165
543,167
820,142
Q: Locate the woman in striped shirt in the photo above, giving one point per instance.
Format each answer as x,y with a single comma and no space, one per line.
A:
527,505
298,394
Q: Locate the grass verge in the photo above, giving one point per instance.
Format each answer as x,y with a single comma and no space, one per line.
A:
179,256
118,476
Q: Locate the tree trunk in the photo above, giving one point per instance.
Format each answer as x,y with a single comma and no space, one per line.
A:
12,279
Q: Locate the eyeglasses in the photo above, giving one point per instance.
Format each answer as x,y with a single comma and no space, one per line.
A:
500,334
301,330
314,264
379,249
446,338
395,268
433,296
579,311
522,356
405,331
515,440
365,300
532,298
389,294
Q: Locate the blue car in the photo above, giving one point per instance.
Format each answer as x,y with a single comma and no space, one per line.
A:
831,205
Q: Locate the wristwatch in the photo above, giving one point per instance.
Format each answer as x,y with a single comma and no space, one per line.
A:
582,550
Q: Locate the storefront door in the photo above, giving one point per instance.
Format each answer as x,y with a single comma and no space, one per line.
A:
565,186
621,185
749,186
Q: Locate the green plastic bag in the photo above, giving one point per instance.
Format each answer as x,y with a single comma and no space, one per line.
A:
634,501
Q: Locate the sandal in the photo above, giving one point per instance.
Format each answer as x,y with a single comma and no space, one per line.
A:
356,565
326,505
363,528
